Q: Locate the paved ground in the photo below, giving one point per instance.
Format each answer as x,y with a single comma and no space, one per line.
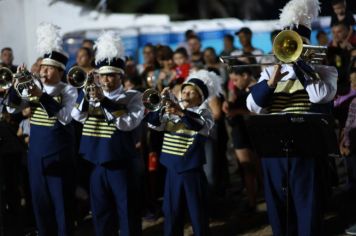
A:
232,222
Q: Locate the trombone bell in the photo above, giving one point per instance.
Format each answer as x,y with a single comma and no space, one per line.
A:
287,46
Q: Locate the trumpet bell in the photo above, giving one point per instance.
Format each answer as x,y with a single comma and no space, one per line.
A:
77,77
287,46
6,77
151,99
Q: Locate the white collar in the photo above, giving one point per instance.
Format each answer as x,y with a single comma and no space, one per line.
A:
53,89
114,93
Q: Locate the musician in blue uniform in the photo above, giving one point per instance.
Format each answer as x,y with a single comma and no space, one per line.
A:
295,89
109,115
186,125
50,154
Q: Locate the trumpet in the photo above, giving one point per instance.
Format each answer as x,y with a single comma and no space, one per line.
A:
6,77
153,101
26,80
287,47
78,78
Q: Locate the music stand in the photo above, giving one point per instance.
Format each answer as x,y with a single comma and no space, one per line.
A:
307,135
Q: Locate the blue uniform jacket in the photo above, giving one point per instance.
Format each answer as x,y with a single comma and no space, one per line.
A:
51,130
108,126
183,142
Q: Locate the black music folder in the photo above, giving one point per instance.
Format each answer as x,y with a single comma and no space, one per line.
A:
293,135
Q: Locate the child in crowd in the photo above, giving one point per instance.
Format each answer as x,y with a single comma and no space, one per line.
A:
167,72
235,111
180,58
23,131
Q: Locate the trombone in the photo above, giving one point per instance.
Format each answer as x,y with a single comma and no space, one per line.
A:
287,47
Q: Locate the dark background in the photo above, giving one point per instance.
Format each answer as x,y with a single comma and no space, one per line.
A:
202,9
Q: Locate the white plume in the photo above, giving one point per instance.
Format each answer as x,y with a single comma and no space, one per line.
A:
109,46
48,38
210,79
299,12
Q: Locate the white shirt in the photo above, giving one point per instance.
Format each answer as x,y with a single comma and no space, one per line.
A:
321,91
204,113
68,94
126,122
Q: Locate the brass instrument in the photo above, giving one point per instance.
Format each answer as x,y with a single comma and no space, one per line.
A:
288,47
78,78
6,77
26,81
153,100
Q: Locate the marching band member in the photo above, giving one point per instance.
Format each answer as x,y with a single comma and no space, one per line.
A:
185,127
110,115
286,89
50,154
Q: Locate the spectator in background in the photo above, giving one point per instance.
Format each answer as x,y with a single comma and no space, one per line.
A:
88,43
149,59
322,38
35,68
211,61
132,76
196,58
215,146
345,141
23,131
187,34
235,111
150,64
7,59
167,72
245,37
272,58
228,45
175,86
348,147
84,59
341,108
342,15
181,60
339,56
132,83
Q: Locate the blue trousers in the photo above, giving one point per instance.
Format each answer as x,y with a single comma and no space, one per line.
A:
112,202
185,190
305,193
52,190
